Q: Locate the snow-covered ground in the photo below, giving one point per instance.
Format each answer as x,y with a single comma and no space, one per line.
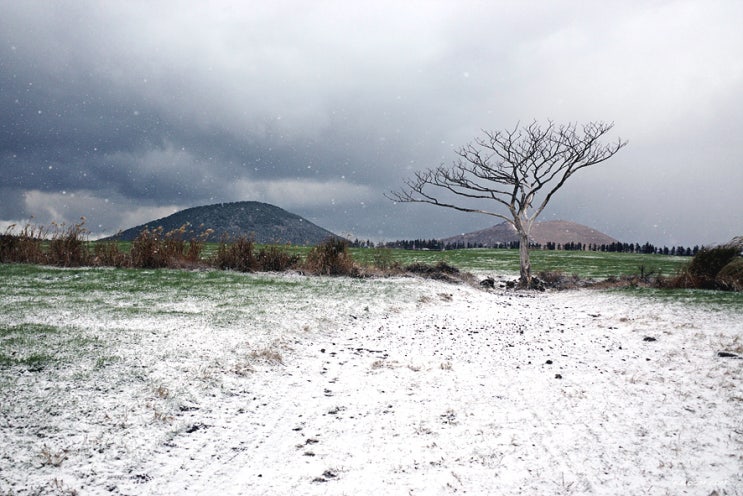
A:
283,384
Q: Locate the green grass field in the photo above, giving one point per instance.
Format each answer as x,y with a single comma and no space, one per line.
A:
586,264
583,263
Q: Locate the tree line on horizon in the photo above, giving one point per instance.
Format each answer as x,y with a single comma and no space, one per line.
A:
617,247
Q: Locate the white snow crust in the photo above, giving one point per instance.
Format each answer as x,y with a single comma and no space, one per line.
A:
393,386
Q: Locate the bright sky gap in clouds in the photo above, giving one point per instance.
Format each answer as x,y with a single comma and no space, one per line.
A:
123,112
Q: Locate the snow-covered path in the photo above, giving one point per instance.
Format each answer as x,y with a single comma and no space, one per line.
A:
460,391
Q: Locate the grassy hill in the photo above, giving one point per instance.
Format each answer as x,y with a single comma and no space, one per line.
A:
263,222
552,231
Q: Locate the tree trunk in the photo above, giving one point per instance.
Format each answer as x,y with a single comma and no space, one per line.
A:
525,279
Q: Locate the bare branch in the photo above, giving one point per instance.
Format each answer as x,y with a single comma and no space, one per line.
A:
511,168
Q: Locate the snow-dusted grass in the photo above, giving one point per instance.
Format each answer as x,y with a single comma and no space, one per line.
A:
176,382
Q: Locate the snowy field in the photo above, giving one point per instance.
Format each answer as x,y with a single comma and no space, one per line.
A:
160,382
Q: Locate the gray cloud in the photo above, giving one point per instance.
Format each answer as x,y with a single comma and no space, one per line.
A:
125,111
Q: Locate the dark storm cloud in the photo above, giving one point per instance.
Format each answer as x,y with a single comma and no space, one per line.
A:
124,111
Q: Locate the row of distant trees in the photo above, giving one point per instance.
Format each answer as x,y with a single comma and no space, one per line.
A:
438,245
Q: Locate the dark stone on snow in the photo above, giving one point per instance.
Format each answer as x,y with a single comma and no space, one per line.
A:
727,354
195,427
649,339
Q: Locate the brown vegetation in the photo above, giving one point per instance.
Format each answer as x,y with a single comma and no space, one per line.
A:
330,258
711,268
238,255
67,246
154,249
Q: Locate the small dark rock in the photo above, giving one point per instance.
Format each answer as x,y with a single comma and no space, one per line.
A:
548,362
558,376
537,284
649,339
141,478
488,282
727,354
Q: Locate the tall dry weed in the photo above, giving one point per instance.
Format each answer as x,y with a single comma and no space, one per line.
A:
330,258
108,254
148,249
68,245
153,249
24,247
238,255
275,259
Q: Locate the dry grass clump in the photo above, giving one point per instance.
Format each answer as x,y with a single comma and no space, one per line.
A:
108,254
331,258
730,277
241,256
155,249
440,271
267,355
238,255
53,458
24,247
711,268
556,279
68,246
274,259
152,249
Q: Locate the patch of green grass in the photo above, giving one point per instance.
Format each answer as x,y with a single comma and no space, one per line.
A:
583,263
34,362
26,330
104,361
713,300
37,346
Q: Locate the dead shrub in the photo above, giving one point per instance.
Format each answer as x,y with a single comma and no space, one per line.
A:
239,255
148,249
267,356
24,247
557,279
68,246
702,271
108,254
8,248
152,249
275,259
331,258
707,263
195,246
730,276
439,271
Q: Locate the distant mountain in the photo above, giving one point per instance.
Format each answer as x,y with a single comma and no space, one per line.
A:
556,231
266,224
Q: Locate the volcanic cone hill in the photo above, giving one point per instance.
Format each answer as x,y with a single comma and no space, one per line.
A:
264,223
552,231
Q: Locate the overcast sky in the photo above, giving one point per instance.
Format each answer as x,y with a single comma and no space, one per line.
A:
124,112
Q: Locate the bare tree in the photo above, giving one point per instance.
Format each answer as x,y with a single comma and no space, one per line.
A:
519,170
